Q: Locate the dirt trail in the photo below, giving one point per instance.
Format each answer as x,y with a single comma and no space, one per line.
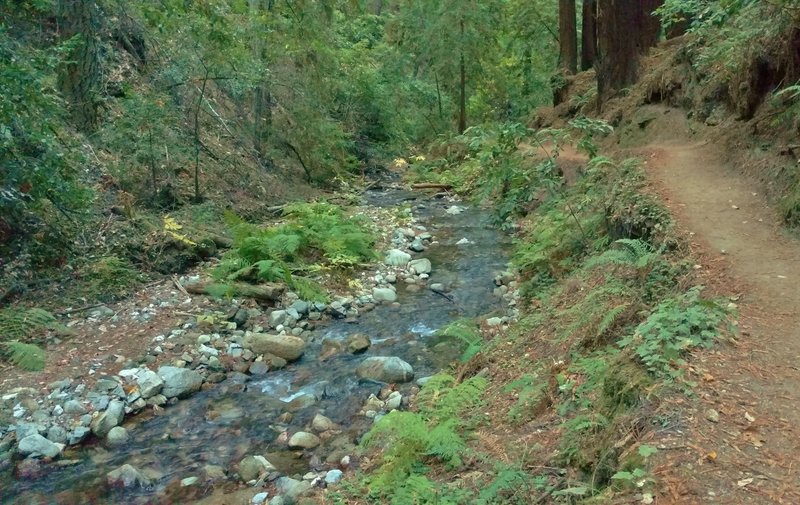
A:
752,455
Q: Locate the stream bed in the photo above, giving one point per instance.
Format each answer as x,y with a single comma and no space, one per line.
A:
245,415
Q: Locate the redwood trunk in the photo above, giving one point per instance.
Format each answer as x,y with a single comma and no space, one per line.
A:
619,41
589,34
567,36
79,78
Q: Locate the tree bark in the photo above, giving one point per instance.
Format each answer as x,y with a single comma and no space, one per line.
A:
648,25
462,114
589,34
567,36
618,45
80,76
262,96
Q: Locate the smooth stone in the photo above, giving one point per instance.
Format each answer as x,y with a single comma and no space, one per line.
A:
253,467
393,401
333,476
57,434
149,382
74,407
284,346
179,382
112,416
494,321
321,423
260,498
189,481
277,317
38,446
117,436
385,369
258,368
304,440
397,258
384,295
291,488
301,306
421,266
417,245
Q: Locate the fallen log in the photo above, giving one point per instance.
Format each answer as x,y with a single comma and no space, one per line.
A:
268,292
431,185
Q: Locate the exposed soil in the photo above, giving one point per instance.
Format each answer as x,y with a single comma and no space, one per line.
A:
749,455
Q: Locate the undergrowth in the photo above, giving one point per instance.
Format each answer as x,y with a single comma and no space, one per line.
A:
612,315
314,238
20,332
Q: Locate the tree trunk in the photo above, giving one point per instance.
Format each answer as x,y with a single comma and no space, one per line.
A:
567,36
589,34
462,114
262,97
618,45
80,75
649,26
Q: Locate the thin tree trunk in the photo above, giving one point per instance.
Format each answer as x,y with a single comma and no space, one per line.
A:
438,95
197,142
262,97
80,76
462,114
567,36
589,34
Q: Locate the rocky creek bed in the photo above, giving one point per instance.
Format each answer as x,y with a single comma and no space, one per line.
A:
273,399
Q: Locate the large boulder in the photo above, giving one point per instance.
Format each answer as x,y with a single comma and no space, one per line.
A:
38,446
283,346
385,369
179,382
112,416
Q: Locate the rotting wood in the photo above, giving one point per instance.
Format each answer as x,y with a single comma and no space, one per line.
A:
268,292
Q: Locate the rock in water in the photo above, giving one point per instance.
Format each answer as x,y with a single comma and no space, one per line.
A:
179,382
358,343
397,258
38,446
385,369
303,440
420,266
117,436
253,467
321,423
126,476
417,245
150,384
284,346
112,416
384,295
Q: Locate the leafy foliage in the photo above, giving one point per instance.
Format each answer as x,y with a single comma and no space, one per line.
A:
410,439
675,327
28,357
16,324
468,333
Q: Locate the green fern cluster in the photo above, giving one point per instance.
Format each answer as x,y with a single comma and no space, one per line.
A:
411,439
315,235
465,331
17,325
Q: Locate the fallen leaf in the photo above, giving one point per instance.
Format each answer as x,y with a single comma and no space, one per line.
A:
745,482
749,417
712,456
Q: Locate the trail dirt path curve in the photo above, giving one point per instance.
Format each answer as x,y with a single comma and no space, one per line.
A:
752,453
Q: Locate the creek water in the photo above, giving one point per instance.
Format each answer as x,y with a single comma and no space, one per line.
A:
240,416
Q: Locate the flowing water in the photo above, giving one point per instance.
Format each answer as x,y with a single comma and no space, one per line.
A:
239,416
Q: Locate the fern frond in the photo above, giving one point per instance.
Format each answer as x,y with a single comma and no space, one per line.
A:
29,357
16,324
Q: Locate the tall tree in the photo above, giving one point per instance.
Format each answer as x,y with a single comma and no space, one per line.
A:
626,29
262,96
588,34
80,74
567,36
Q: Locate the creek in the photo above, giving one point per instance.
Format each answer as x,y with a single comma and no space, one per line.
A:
246,415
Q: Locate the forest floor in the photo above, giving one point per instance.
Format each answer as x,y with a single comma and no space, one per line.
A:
738,443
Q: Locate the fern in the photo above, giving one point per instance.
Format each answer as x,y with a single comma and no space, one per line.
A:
468,333
633,252
16,324
26,356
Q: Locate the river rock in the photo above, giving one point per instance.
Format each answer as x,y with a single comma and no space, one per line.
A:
126,476
384,295
57,434
393,401
417,245
277,317
358,343
24,430
333,476
260,498
38,446
291,488
179,382
253,467
330,348
494,321
112,416
78,435
397,258
74,407
258,368
117,436
304,440
385,369
321,423
284,346
420,266
150,383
